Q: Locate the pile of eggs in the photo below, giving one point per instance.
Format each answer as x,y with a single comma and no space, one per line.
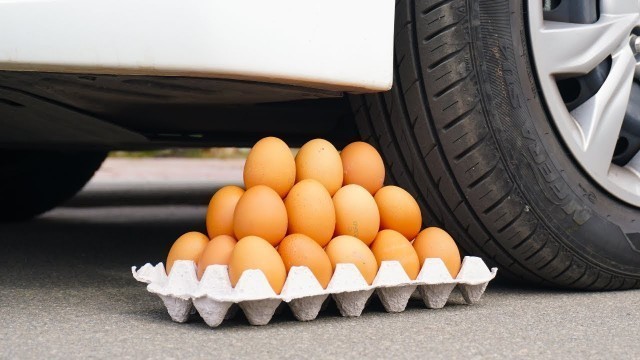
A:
317,209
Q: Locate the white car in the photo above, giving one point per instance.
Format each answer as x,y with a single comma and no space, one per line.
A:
515,123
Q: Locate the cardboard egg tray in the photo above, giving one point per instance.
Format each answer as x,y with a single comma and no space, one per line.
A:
214,298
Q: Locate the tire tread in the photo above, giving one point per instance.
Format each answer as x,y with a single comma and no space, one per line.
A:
421,150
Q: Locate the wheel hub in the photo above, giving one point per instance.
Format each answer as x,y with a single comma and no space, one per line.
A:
595,57
634,42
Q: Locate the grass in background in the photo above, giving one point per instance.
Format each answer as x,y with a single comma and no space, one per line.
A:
193,153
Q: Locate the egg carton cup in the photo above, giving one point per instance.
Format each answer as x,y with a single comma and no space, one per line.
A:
215,299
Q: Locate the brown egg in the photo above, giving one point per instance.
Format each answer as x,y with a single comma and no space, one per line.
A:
301,250
434,242
319,160
217,252
260,212
271,163
350,250
391,245
362,165
253,252
399,211
310,211
187,247
220,211
356,213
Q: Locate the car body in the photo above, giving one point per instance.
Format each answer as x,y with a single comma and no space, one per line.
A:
119,61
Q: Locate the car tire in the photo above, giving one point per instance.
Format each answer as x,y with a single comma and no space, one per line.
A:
465,130
32,182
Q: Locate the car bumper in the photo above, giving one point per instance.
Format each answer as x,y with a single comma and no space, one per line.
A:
342,45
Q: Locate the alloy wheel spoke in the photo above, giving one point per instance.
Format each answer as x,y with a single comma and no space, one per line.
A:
601,117
591,131
617,7
634,166
576,49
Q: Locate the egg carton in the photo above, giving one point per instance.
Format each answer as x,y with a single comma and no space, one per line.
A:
214,298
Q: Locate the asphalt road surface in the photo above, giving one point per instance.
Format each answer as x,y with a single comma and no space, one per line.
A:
66,290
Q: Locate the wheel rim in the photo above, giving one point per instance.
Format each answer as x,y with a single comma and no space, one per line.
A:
592,130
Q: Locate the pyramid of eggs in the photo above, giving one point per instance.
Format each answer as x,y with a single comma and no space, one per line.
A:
303,228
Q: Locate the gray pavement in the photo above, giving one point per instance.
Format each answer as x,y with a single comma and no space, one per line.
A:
66,290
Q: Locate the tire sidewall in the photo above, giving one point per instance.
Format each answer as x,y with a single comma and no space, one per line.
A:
573,208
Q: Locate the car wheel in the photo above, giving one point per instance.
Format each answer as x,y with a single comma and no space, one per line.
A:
517,126
32,182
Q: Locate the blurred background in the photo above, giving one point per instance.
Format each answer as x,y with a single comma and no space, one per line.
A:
204,153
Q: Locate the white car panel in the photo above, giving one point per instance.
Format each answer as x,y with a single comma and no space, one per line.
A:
343,45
